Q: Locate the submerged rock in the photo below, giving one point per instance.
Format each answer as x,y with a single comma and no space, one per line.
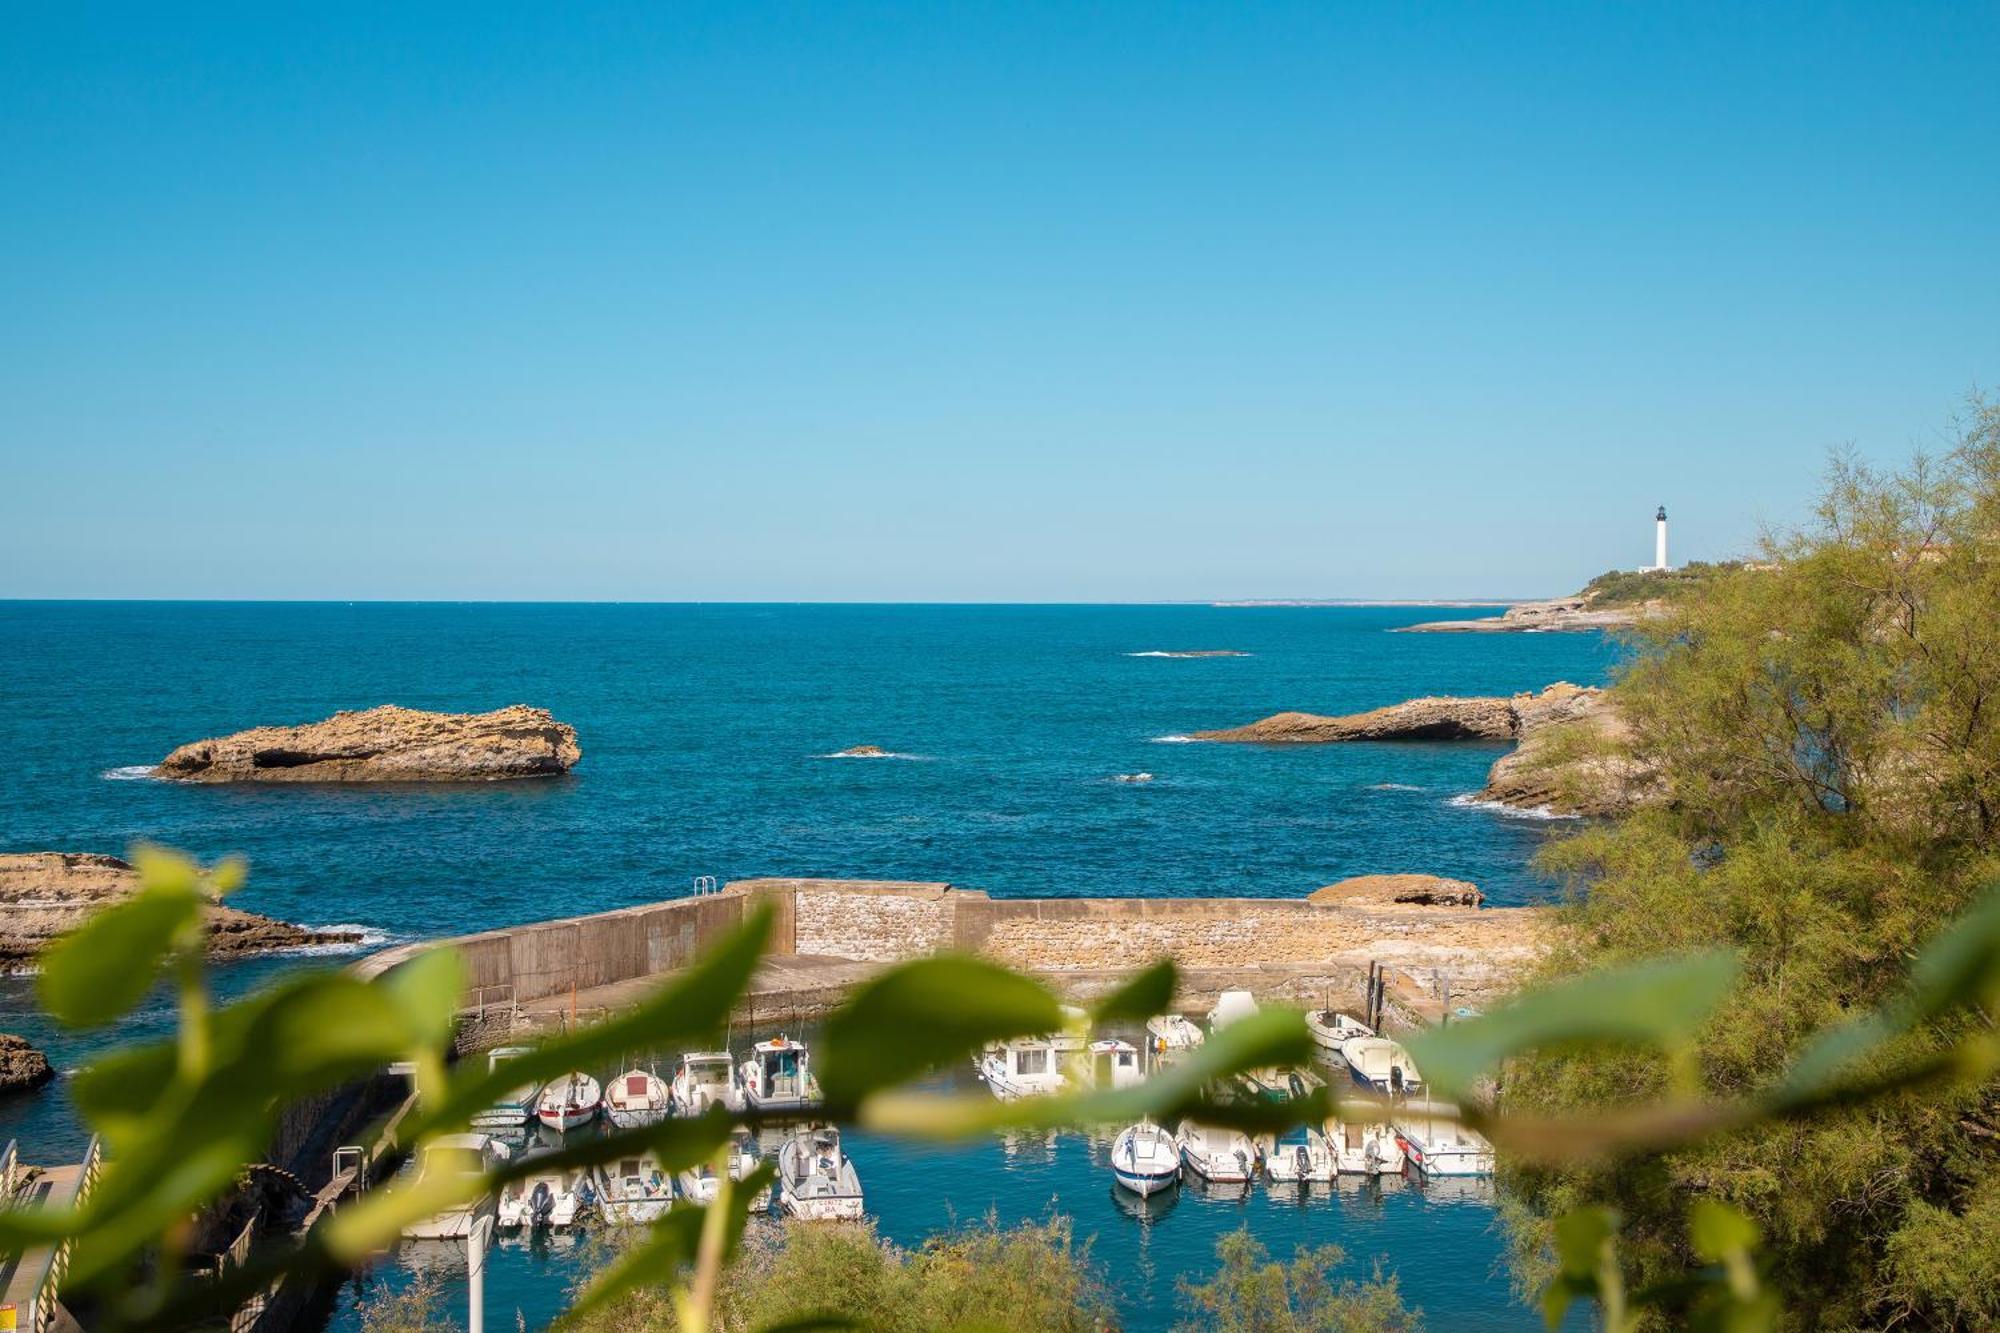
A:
386,744
46,894
860,752
22,1066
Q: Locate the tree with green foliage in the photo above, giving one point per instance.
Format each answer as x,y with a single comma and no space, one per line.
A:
1827,728
1034,1275
1254,1293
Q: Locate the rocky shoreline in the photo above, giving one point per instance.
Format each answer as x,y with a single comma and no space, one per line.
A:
385,744
1557,614
22,1067
1573,752
45,894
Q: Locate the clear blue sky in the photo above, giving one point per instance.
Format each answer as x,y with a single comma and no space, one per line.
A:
1062,302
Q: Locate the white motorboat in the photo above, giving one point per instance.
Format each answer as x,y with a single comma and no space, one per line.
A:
1171,1034
1222,1156
1146,1159
551,1199
1363,1149
1381,1064
1231,1006
463,1158
705,1079
1437,1144
569,1102
1332,1029
699,1184
1027,1066
516,1108
1299,1156
635,1099
635,1190
778,1076
1114,1064
816,1181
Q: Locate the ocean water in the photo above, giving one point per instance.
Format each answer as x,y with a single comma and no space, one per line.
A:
706,731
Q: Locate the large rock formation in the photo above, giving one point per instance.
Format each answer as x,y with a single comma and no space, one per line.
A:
45,894
1404,890
1574,753
386,744
1433,718
21,1066
1577,761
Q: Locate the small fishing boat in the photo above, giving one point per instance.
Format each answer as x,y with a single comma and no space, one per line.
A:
1437,1144
569,1102
1114,1063
1299,1156
705,1079
636,1098
1146,1159
460,1157
1221,1156
816,1181
1280,1085
1332,1029
1231,1006
699,1184
1381,1064
778,1076
1026,1066
515,1109
635,1190
549,1199
1361,1149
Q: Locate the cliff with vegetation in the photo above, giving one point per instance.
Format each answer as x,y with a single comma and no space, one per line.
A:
1616,599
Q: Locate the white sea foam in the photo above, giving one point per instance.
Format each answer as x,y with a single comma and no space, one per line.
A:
1393,786
128,773
1469,801
1175,740
1221,652
886,754
370,938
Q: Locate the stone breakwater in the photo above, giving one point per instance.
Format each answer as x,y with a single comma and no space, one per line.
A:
386,744
45,894
827,934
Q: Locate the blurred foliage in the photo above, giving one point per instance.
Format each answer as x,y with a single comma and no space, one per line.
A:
1253,1293
1828,730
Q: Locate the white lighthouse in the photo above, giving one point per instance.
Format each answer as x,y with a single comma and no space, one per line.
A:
1660,540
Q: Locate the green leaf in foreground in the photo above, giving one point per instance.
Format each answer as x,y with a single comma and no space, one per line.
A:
1659,1002
671,1245
920,1015
98,971
1142,996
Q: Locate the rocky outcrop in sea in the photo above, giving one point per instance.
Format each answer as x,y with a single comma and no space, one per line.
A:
46,894
386,744
1400,890
1574,754
22,1067
1560,613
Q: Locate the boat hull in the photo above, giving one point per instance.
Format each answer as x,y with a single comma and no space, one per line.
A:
1144,1183
840,1208
567,1119
635,1117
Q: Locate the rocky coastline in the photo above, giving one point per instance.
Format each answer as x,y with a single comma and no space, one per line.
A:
1557,614
22,1067
45,894
385,744
1573,752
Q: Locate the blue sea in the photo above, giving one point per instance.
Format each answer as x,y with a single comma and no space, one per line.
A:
706,732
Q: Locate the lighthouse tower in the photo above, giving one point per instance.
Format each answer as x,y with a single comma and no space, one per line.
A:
1660,540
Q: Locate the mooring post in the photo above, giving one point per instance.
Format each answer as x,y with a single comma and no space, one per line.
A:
475,1271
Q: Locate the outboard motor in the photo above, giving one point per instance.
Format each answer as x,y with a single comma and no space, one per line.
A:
1305,1162
541,1202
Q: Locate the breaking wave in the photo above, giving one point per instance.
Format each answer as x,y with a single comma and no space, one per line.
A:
1392,786
1470,801
886,754
371,938
1175,740
128,773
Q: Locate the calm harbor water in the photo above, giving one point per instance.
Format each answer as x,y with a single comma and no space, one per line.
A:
705,731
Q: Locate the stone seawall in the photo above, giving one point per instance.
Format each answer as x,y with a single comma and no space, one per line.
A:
836,929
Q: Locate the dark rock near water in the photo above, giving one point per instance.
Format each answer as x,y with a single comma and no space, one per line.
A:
22,1067
386,744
